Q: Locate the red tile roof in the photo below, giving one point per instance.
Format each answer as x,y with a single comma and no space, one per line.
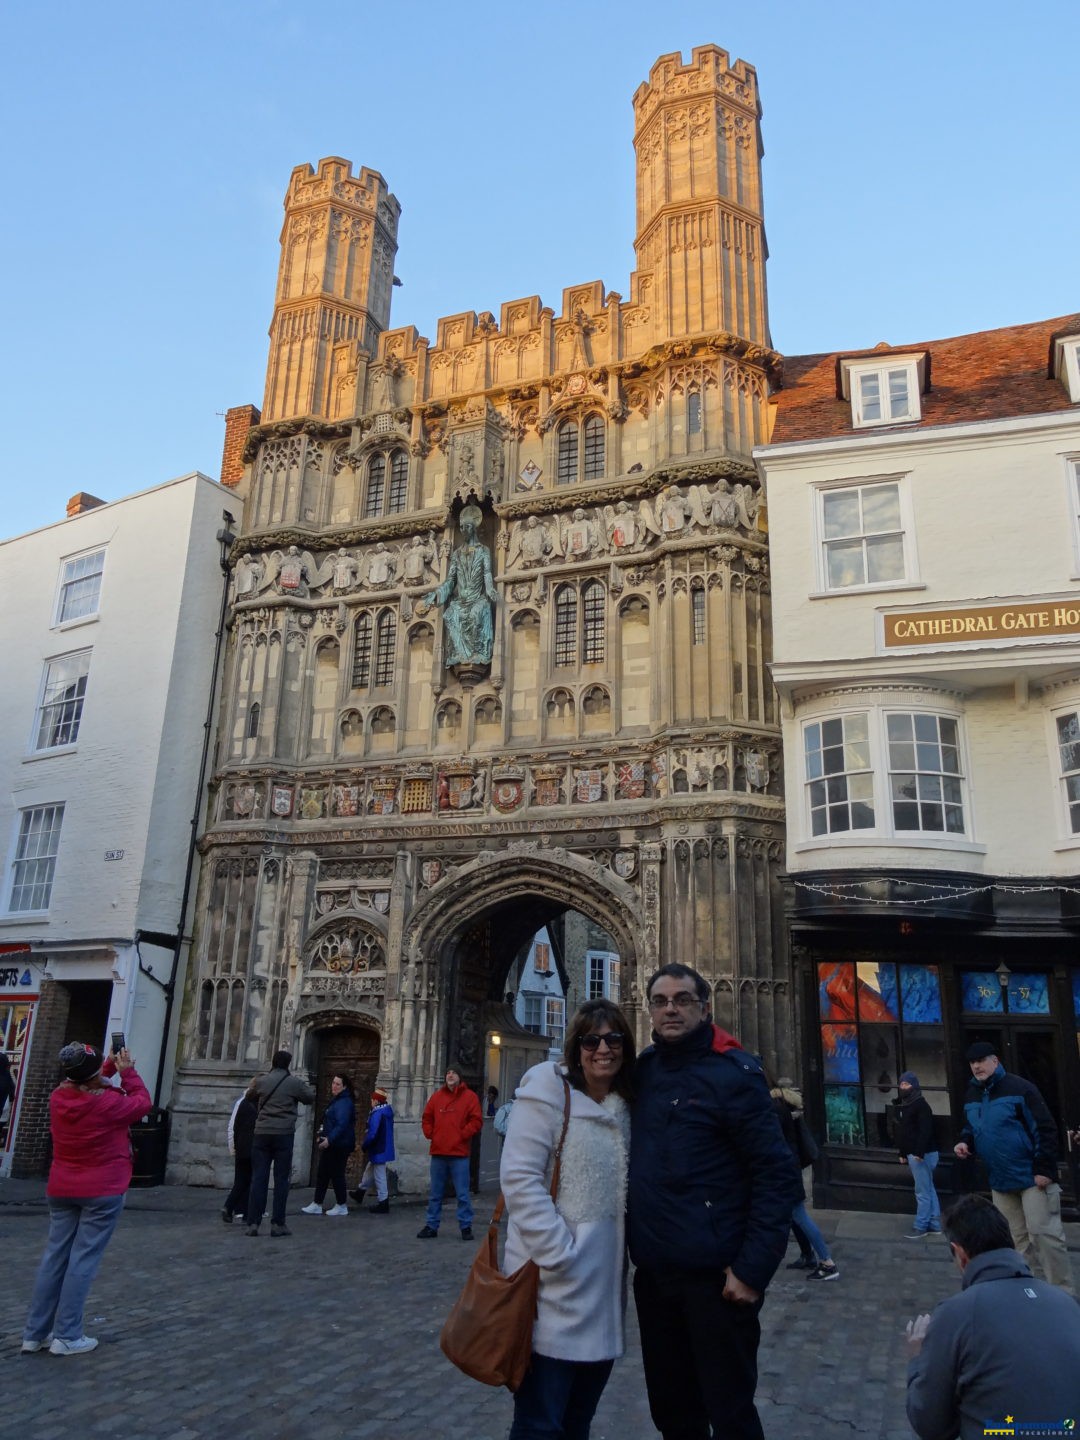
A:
991,375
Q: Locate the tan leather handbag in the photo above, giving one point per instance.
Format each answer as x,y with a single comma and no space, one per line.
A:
488,1333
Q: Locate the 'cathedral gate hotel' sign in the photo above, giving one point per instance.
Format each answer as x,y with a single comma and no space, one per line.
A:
1026,621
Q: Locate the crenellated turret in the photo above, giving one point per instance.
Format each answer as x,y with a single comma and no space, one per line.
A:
338,244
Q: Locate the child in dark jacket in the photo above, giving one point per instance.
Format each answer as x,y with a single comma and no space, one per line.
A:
915,1141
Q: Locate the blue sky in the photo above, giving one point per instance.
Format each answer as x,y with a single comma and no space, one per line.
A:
920,181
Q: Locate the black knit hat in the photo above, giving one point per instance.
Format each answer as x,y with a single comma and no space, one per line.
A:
80,1062
980,1050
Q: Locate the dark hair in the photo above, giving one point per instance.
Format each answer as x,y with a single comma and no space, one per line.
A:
976,1225
346,1083
588,1018
681,972
282,1060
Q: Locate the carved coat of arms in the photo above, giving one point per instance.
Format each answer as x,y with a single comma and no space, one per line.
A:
547,787
757,769
281,800
588,786
430,870
346,799
630,783
624,863
506,795
383,797
311,804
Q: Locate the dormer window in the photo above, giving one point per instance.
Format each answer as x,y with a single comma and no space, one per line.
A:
884,391
1067,364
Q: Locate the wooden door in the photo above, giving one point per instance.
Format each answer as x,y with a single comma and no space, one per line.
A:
352,1051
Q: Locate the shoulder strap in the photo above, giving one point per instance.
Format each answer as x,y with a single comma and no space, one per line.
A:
264,1098
500,1205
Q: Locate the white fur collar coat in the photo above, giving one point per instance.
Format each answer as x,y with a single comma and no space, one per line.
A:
578,1242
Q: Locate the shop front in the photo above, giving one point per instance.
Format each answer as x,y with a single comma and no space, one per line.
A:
891,979
20,991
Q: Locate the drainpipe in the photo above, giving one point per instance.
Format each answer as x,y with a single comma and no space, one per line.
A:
225,539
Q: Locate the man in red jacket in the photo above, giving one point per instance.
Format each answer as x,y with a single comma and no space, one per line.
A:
451,1118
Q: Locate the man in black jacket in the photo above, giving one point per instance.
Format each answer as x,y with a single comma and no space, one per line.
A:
712,1188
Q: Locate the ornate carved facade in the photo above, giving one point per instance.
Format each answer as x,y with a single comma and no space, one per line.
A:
391,817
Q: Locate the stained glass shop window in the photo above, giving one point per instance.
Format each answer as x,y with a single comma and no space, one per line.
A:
843,1116
1028,995
878,1018
980,993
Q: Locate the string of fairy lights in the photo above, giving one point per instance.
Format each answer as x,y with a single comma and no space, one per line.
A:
853,890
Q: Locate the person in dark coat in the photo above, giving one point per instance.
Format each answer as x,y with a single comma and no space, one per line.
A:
241,1133
915,1141
1000,1357
336,1142
712,1190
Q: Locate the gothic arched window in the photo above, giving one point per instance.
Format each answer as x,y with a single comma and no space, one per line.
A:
579,450
693,412
566,468
399,482
386,636
361,670
593,431
376,487
566,625
593,598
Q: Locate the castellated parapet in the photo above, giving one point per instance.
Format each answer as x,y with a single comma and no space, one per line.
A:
700,275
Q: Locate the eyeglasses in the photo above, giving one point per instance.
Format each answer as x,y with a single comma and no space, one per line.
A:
612,1039
682,1001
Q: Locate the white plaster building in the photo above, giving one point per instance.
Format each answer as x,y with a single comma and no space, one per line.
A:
109,652
924,516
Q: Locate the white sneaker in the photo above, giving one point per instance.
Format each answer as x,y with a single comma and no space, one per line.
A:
31,1347
337,1210
312,1209
73,1347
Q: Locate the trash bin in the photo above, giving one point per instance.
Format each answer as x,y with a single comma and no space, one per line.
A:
150,1148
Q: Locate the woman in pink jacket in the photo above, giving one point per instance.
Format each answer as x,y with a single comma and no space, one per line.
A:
91,1171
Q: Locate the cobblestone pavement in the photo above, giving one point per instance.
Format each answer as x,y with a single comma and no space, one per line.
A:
333,1333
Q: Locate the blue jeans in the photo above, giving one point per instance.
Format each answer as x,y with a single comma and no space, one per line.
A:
800,1218
79,1230
456,1169
267,1150
927,1205
558,1398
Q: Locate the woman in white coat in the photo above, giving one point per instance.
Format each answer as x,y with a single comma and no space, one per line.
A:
577,1239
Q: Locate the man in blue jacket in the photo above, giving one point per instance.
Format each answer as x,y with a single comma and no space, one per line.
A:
1009,1127
712,1187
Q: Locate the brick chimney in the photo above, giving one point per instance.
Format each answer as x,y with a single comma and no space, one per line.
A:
238,421
80,503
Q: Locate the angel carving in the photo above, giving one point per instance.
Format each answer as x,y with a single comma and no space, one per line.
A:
419,558
579,536
381,565
530,544
248,576
627,529
673,511
294,571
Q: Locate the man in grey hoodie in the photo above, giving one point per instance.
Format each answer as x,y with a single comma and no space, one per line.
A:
1006,1346
277,1096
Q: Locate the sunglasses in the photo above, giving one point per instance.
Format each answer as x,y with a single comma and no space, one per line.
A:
613,1040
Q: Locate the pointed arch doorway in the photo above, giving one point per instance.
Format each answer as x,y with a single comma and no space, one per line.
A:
350,1049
